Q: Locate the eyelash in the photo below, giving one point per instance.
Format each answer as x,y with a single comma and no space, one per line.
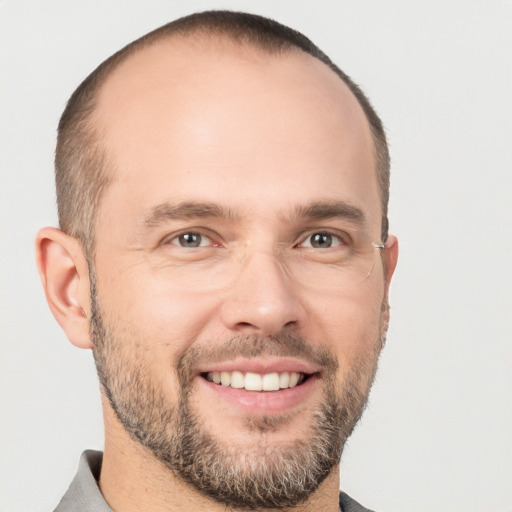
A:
169,240
342,238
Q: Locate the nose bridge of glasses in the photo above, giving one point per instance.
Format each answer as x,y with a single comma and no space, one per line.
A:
261,256
250,249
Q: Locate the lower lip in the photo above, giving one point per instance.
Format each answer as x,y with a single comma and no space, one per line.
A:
262,402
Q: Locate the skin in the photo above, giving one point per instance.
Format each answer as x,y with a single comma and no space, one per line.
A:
257,134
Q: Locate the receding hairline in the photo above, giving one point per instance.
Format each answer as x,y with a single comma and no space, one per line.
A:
194,29
181,48
201,39
198,39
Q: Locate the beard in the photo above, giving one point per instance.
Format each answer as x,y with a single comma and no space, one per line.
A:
255,476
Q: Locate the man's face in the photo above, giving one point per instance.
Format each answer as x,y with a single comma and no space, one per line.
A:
223,248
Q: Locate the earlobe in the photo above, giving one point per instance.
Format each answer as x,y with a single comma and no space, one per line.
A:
64,273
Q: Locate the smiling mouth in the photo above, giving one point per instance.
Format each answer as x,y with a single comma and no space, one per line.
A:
249,381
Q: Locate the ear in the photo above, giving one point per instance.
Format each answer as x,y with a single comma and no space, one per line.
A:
390,260
64,272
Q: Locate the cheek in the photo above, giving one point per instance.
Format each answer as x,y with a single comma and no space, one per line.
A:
349,324
151,313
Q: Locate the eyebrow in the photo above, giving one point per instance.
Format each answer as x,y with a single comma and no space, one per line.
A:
184,211
319,210
323,210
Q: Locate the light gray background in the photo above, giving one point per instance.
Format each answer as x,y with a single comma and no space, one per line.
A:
437,434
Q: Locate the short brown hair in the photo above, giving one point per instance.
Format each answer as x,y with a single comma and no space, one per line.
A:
81,162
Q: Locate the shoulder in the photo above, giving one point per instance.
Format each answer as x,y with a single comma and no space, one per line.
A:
84,494
347,504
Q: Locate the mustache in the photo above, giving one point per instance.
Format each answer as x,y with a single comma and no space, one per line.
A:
251,346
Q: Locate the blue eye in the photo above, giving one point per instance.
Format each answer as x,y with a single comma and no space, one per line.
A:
191,240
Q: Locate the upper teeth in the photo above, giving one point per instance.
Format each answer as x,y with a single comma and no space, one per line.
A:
255,381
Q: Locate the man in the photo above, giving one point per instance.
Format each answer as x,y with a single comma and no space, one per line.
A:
222,191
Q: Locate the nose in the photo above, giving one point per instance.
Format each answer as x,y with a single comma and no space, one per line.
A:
262,300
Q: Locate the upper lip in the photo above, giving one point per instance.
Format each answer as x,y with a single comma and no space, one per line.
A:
260,365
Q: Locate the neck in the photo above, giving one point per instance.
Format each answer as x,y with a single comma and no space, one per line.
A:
132,479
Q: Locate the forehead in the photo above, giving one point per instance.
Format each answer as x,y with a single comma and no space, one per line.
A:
189,120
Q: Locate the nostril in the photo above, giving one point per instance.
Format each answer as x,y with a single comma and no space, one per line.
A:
245,325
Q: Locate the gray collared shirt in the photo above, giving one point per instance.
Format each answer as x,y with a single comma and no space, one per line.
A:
84,495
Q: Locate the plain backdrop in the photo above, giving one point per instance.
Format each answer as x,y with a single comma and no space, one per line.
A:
438,431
